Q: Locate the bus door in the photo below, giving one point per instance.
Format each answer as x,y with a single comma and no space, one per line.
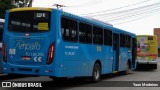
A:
134,52
115,52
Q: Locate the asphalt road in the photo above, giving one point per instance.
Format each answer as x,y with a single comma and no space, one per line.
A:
108,82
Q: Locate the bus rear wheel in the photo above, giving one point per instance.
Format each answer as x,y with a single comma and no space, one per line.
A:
96,74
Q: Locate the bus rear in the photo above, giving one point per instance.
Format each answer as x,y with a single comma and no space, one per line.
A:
27,44
147,51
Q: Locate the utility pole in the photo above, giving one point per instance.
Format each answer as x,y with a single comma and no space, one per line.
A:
58,5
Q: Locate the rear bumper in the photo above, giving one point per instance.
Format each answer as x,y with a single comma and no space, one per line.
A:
146,62
29,70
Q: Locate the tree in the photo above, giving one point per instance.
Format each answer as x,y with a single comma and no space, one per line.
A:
5,5
22,3
9,4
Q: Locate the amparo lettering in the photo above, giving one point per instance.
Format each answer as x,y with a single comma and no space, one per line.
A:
26,46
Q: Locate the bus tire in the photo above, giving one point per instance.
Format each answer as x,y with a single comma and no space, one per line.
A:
138,66
155,66
96,74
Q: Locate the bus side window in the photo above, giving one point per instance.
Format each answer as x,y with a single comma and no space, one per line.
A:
122,40
128,41
82,33
134,50
85,33
107,37
97,35
88,33
69,29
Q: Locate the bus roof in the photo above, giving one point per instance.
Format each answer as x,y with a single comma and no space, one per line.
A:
29,9
87,20
99,21
146,35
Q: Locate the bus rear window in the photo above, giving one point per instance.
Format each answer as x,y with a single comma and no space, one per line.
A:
150,38
29,21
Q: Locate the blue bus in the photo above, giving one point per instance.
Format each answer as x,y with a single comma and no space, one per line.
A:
1,35
54,43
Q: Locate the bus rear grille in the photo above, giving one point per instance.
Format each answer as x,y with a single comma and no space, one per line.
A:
25,69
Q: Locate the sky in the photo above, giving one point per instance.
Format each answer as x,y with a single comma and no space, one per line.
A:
138,21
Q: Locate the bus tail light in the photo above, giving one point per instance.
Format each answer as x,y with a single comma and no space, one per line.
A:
4,52
50,54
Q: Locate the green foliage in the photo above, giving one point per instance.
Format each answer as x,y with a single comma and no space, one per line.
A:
5,5
9,4
23,3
